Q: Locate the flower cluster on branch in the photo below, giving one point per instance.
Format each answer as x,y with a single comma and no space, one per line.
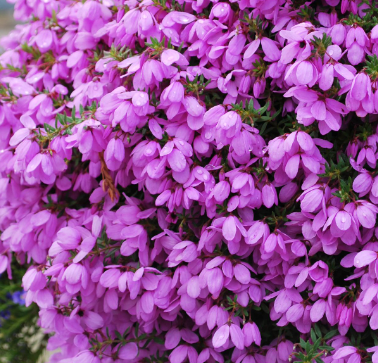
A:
194,181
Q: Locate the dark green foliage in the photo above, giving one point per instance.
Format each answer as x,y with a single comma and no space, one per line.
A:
20,338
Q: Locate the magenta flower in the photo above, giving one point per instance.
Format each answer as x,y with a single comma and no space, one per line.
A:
356,42
327,112
221,336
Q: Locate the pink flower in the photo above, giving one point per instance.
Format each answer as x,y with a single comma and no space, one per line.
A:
221,336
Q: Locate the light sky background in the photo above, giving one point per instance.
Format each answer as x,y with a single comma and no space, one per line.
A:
6,19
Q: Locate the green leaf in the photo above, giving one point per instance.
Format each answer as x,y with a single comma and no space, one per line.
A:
316,344
73,113
158,340
118,335
302,343
48,128
330,334
313,336
81,110
180,47
317,330
126,332
263,128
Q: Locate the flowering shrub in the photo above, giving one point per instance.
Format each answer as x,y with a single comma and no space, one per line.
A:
194,181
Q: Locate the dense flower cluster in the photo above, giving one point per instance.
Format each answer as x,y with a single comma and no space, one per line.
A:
194,181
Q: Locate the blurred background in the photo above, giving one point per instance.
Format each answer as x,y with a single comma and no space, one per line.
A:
6,17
